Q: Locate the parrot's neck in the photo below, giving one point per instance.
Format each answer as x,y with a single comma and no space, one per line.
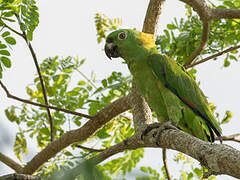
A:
138,54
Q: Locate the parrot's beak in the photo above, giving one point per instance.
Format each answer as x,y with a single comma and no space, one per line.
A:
111,49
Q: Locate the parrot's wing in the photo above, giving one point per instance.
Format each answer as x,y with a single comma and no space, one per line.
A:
184,87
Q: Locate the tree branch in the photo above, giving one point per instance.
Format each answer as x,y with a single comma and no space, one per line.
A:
10,163
202,44
19,177
152,16
9,95
225,13
201,7
52,128
78,135
24,36
230,138
164,158
213,56
218,158
11,29
89,149
207,14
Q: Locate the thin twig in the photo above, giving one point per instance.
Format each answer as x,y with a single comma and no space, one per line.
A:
11,29
52,128
164,158
89,149
42,105
229,138
10,163
203,42
213,56
24,36
90,81
126,117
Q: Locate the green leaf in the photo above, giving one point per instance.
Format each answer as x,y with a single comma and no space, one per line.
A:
10,40
144,169
3,46
226,63
4,52
77,121
81,83
82,61
198,172
104,83
233,57
8,19
6,61
45,131
190,176
171,26
30,35
8,14
68,153
227,117
5,34
229,4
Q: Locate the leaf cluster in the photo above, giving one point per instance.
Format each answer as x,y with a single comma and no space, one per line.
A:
21,13
182,36
105,24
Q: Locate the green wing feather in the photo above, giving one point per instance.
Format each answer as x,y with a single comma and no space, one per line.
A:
184,87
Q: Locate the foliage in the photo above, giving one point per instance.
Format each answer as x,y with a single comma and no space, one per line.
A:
23,13
104,24
182,37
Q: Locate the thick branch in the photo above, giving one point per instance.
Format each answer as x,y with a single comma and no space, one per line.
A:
201,7
19,177
152,16
142,114
225,13
10,163
218,158
81,134
42,105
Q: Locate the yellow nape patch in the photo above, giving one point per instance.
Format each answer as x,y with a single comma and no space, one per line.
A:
147,40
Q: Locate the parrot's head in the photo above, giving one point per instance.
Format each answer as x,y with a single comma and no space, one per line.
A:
128,43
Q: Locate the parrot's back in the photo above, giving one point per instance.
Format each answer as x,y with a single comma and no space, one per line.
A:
174,95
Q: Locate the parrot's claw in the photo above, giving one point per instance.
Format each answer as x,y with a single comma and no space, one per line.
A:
160,127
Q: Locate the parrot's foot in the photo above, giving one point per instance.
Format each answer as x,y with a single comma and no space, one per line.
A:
160,126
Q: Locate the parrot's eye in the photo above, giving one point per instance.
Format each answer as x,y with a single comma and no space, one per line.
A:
122,36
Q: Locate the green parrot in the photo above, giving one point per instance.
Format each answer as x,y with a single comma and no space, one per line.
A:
168,89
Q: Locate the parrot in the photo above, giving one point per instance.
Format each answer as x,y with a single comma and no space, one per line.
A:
170,91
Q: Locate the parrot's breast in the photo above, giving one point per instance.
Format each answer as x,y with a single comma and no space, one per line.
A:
165,104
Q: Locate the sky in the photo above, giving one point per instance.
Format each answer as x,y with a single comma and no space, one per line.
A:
68,29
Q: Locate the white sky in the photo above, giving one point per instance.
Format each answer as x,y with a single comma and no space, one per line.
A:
68,29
